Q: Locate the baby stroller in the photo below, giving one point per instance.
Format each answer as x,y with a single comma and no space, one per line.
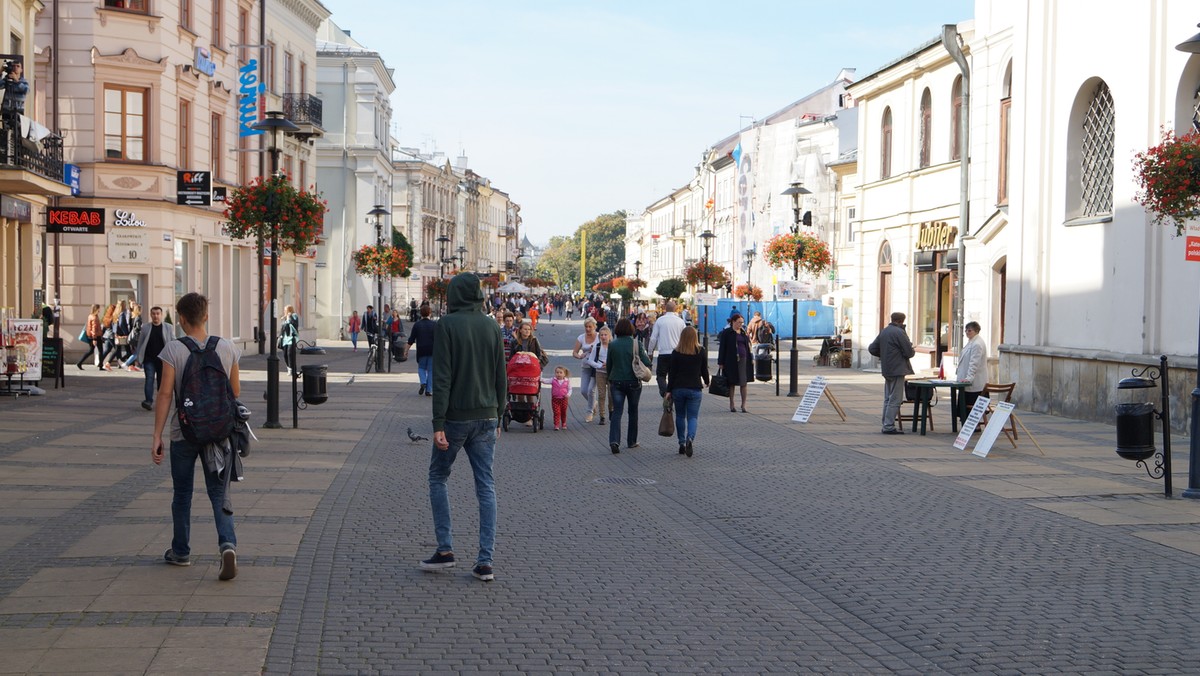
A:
524,384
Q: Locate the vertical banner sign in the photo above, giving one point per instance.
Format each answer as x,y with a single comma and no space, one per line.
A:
810,399
994,426
973,418
250,91
745,186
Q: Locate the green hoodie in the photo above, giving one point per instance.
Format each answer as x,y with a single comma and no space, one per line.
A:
469,382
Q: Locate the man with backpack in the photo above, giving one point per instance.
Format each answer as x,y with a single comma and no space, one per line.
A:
200,374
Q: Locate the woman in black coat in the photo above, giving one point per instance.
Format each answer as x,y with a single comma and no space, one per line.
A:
733,357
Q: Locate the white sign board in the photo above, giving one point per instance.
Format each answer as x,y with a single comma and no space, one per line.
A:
810,399
973,418
994,426
706,299
24,338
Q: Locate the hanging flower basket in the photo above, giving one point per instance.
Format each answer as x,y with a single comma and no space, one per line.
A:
745,290
435,289
1168,177
711,273
275,205
380,260
785,250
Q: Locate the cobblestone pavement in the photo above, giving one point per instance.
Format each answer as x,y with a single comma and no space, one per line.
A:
778,548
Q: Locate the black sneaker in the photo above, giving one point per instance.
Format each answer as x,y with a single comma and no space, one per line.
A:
894,431
176,560
688,448
682,449
228,563
421,391
616,448
148,405
484,573
438,561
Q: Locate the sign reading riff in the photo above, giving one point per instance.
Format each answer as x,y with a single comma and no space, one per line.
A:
809,401
973,418
75,220
193,188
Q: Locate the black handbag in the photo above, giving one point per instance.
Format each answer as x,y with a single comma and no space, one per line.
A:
719,385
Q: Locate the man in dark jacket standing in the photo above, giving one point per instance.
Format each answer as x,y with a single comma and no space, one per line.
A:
469,394
894,349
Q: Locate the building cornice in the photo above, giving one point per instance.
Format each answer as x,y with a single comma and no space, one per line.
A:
129,59
310,12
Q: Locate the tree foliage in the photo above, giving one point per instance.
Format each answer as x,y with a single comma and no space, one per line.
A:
605,251
671,288
401,242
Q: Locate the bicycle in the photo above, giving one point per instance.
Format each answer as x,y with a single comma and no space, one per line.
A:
372,354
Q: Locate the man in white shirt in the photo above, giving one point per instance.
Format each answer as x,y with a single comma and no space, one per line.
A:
972,365
663,339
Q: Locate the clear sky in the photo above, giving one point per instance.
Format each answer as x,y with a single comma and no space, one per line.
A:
577,108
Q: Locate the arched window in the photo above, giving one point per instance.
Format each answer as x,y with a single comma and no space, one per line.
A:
956,105
1091,141
885,144
885,254
926,128
1005,138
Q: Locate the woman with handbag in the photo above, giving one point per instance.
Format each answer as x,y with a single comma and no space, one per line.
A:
596,360
91,335
687,376
733,358
624,384
108,336
584,344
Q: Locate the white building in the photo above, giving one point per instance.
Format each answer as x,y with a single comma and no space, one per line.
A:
354,170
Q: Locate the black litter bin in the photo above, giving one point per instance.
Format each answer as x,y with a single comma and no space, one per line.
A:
314,391
762,362
1135,430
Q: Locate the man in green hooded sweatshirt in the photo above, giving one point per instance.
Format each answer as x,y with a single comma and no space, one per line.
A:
469,392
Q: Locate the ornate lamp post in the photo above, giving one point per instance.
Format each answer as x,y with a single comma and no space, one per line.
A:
637,269
462,258
274,123
442,241
748,256
796,192
376,216
707,236
1192,46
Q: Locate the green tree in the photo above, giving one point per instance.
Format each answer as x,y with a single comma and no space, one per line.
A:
560,261
605,245
671,288
401,242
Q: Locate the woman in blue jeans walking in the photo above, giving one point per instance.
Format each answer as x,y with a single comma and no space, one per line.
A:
623,385
687,376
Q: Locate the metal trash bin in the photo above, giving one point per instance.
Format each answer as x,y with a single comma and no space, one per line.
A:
762,362
314,391
1135,430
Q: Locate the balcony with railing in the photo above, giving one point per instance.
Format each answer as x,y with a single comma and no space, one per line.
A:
305,111
31,162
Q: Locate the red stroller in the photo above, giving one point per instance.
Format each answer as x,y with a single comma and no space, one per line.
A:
524,385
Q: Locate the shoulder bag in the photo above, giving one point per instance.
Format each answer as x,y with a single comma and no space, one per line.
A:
640,370
719,385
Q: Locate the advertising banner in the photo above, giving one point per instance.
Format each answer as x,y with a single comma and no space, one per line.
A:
75,220
23,348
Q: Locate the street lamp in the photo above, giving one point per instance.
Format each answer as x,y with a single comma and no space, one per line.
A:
442,242
462,258
637,269
748,255
1192,46
377,214
274,123
707,236
796,192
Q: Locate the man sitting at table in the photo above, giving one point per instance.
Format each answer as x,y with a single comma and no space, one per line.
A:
972,366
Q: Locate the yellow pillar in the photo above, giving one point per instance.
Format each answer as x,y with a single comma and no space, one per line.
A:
583,261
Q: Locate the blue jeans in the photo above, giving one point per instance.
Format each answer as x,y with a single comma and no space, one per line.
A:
354,339
183,473
153,372
478,439
587,387
687,412
622,391
425,372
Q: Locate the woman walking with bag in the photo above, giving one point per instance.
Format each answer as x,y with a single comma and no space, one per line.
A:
687,375
288,335
108,336
91,335
624,385
584,344
733,358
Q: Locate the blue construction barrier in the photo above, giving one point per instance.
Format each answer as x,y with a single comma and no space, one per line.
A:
815,319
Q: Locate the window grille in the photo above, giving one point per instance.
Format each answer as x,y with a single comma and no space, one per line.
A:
1097,154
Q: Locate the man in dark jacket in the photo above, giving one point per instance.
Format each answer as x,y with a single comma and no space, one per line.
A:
469,394
424,333
894,349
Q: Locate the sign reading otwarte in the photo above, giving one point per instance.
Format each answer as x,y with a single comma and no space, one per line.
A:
75,220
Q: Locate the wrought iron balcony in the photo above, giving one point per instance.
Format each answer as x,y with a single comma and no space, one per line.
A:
508,232
28,166
305,111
